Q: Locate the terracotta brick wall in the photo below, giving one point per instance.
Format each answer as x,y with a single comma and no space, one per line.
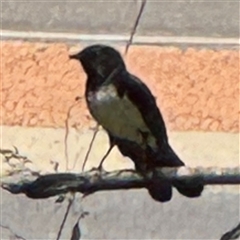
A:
195,89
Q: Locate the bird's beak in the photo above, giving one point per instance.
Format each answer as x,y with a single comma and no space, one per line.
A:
74,56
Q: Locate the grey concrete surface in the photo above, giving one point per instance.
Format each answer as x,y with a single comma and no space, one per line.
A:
128,214
160,18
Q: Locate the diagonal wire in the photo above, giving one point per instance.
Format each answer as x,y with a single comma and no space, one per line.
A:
134,29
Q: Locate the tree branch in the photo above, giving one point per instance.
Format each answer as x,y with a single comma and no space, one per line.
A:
92,181
233,234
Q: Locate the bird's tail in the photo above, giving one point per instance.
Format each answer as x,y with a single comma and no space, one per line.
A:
161,189
189,188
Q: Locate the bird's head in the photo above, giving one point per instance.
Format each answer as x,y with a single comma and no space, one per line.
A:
99,61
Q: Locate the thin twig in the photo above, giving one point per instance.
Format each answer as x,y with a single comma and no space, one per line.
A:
134,29
17,236
70,202
67,134
9,154
95,131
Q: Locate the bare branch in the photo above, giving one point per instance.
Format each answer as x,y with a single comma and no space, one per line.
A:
92,181
233,234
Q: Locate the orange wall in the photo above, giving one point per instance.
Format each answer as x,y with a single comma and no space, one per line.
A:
195,89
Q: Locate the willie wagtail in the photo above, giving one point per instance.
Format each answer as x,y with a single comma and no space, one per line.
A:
127,110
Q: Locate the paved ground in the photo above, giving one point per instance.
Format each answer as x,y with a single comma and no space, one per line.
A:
172,18
128,214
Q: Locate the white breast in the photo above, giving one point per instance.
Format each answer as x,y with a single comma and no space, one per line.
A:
118,115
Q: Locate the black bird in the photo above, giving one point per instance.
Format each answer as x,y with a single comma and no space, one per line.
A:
127,110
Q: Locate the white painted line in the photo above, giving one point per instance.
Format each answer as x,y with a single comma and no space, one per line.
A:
6,34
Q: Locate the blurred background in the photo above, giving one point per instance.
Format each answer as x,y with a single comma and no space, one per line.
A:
187,52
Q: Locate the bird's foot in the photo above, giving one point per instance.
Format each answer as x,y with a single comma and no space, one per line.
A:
100,169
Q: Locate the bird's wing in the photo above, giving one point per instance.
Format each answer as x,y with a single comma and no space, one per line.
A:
140,95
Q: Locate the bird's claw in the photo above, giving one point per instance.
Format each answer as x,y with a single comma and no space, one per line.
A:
101,169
